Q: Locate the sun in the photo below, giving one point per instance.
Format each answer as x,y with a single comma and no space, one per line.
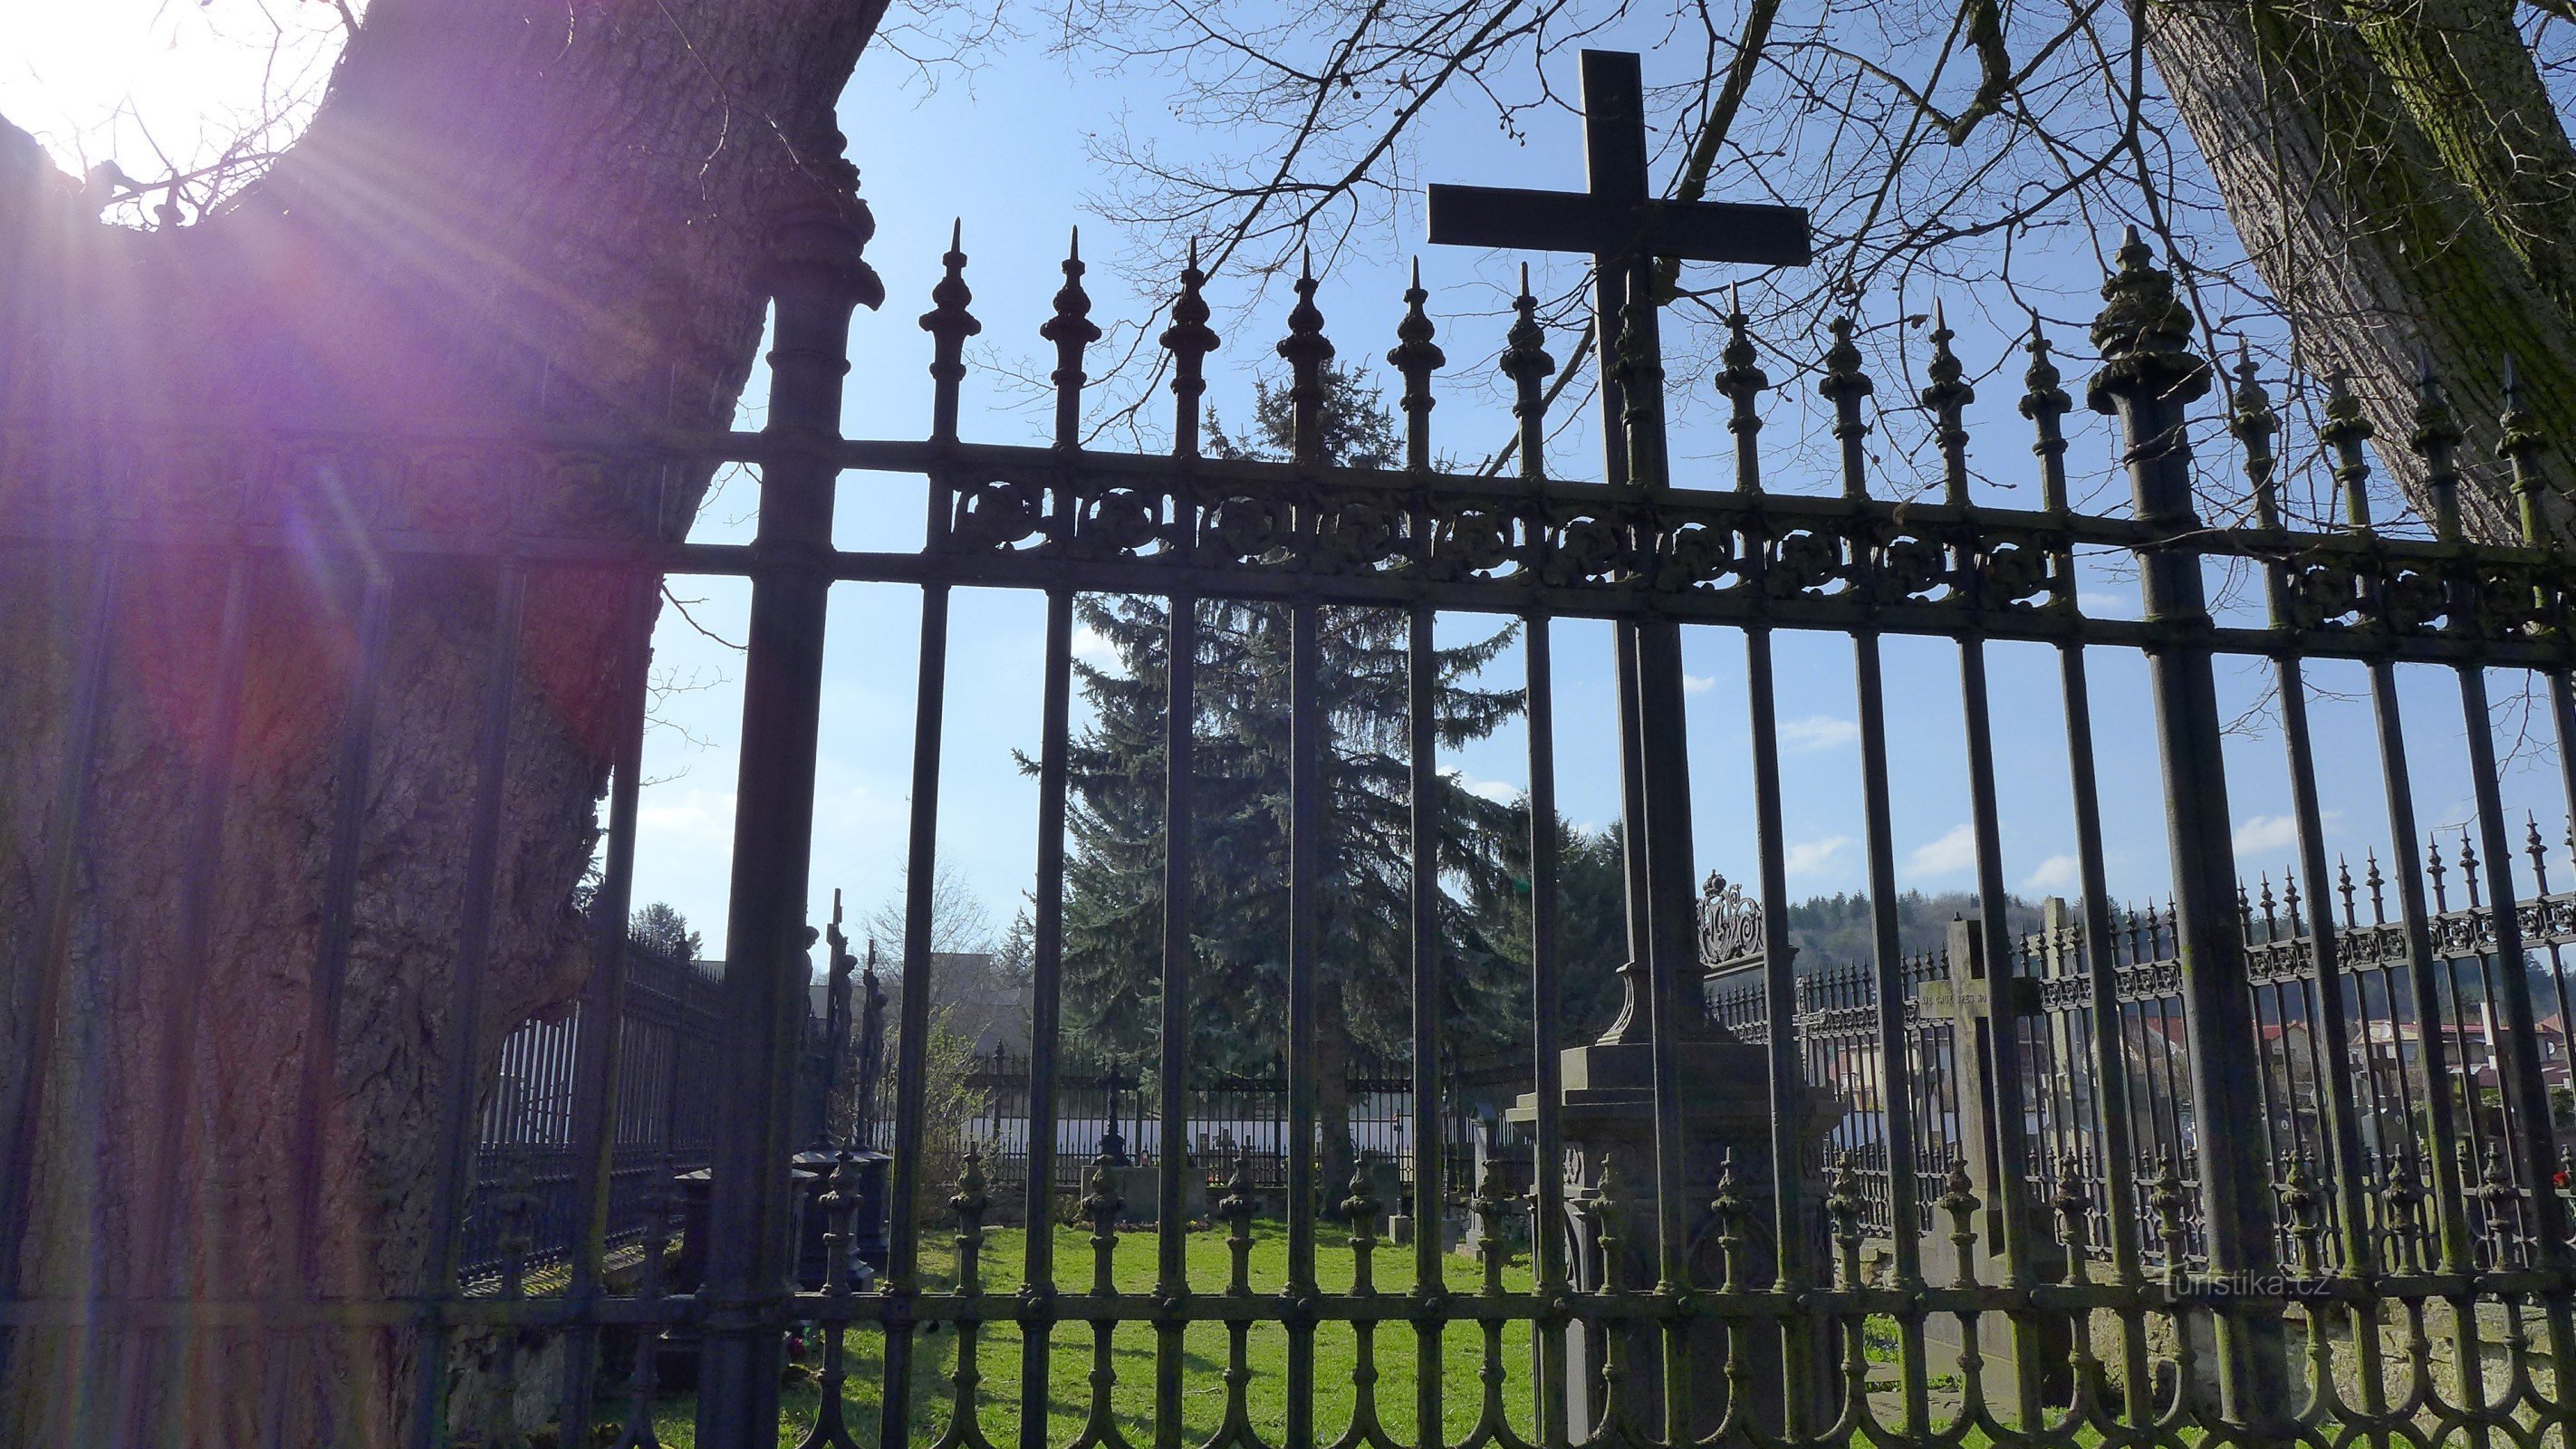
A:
188,98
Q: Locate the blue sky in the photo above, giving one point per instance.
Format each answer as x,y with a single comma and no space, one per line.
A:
1003,148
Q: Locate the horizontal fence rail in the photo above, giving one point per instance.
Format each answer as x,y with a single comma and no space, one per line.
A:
2241,1168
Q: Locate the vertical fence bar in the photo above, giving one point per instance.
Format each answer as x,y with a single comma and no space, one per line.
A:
1307,782
459,1141
1802,1363
2517,1059
184,995
1171,1219
1429,1252
1888,962
1046,1016
1547,1180
2148,376
318,1065
601,1044
816,278
55,907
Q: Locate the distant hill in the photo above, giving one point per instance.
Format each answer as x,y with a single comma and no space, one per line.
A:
1829,930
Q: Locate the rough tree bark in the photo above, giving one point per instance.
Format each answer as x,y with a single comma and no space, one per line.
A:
505,217
2401,182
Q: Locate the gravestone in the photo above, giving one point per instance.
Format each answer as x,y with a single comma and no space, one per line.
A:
1142,1188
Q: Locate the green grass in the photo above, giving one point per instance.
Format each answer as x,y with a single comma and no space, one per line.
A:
1132,1348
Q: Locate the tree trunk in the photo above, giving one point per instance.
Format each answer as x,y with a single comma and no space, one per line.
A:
505,218
2404,187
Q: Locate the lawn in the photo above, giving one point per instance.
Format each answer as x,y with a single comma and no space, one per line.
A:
1132,1351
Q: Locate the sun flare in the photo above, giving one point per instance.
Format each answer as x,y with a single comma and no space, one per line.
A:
196,92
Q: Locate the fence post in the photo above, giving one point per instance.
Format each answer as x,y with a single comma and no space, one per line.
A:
816,277
2148,376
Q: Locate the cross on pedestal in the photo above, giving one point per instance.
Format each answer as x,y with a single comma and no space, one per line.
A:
1619,223
1624,229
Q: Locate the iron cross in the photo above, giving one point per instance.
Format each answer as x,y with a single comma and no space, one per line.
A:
1617,220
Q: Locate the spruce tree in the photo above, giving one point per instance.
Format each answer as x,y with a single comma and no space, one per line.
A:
1239,906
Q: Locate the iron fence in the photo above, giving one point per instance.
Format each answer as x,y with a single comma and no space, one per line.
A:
2115,1348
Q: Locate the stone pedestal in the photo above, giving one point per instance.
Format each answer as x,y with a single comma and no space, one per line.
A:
1608,1118
1142,1189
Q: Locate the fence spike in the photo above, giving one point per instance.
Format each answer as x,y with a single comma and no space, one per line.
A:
1740,382
949,325
2045,403
1946,396
1071,330
2436,439
1189,339
2345,431
1526,363
2469,868
2253,423
1416,356
2372,878
1641,389
2522,444
2539,853
1844,385
2343,879
2433,867
1306,351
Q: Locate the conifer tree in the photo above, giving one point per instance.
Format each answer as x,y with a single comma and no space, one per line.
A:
1239,907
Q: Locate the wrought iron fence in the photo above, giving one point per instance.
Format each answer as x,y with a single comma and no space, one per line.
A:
2324,1324
669,1037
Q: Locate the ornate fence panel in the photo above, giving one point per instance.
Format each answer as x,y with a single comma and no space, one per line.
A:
2429,1211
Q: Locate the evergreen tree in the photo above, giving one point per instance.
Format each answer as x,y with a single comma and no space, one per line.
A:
1239,907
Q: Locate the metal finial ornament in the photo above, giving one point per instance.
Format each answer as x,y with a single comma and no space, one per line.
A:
2073,1207
2522,445
949,325
1947,395
1844,385
1071,330
1416,357
1641,388
1189,339
2253,423
1741,381
2539,853
2144,335
2436,439
1306,351
2372,878
2434,868
2045,403
1526,363
2345,430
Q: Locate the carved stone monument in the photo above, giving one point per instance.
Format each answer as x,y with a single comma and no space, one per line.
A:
1607,1124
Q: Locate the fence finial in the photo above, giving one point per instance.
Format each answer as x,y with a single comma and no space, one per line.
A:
1526,363
1641,388
1844,385
1741,381
1189,339
2144,334
949,325
1307,350
2436,439
1947,395
1071,330
1415,356
2251,419
2345,431
2046,404
2522,444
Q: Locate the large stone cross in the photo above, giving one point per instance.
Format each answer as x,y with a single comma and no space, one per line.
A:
1617,220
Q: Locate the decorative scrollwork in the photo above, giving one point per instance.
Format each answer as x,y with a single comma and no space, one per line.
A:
1730,924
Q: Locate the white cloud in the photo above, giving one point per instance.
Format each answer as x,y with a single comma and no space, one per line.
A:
1501,792
692,813
1818,732
2057,873
1093,647
1698,683
2267,832
1809,856
1953,852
